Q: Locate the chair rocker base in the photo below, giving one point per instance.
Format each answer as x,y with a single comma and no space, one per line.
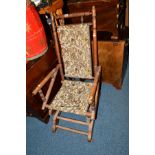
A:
55,125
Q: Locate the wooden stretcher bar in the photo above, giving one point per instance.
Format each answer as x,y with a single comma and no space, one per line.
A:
72,15
72,120
72,130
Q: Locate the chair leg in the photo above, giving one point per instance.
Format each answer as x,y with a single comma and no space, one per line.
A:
96,99
50,112
90,130
97,96
90,124
55,121
87,119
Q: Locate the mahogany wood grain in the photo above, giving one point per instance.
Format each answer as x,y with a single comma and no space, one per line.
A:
35,71
108,13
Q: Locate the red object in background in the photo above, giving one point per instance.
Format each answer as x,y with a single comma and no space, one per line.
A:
36,44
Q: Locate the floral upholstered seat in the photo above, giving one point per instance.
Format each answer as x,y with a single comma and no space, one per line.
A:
72,97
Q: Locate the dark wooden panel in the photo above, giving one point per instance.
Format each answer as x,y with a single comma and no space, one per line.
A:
107,13
35,71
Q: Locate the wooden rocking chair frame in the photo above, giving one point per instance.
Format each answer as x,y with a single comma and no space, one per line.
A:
94,94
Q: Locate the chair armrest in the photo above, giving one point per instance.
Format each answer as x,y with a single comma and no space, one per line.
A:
43,82
94,87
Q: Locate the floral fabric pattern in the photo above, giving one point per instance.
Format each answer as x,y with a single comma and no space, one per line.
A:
76,50
72,97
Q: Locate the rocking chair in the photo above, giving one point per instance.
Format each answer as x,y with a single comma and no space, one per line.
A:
79,92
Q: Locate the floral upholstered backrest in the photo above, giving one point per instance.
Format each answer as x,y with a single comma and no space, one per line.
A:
76,50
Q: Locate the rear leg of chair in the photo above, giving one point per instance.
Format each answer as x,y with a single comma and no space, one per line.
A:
90,130
55,121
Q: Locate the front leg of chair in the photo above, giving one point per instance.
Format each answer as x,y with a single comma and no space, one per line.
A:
55,121
90,130
97,95
88,119
95,89
97,98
